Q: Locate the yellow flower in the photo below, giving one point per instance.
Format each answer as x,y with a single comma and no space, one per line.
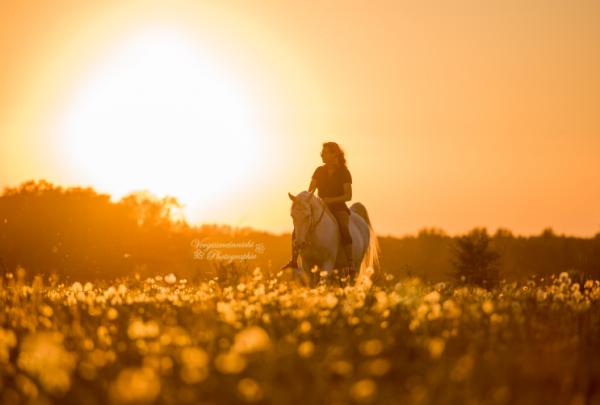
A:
363,390
139,329
252,339
436,347
371,347
8,340
379,367
170,278
134,385
195,365
306,349
250,390
43,356
305,327
432,298
230,363
487,306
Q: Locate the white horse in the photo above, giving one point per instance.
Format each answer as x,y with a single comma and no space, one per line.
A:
319,240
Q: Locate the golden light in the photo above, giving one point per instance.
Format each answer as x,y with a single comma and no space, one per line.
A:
159,114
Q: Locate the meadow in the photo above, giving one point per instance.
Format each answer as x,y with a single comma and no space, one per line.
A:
266,339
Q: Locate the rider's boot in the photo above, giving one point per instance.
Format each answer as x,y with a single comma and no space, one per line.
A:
293,263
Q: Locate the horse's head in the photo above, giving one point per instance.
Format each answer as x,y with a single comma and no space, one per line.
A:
301,213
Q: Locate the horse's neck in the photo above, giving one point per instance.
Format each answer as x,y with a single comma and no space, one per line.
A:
320,211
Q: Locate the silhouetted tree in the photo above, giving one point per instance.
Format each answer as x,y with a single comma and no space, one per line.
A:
474,261
548,233
502,233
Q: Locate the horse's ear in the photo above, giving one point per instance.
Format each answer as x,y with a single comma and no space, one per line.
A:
293,198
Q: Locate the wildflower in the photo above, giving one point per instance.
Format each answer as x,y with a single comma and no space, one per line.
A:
170,278
451,310
230,363
564,278
541,295
341,367
226,312
414,324
436,347
195,362
112,314
134,385
496,319
330,300
46,310
371,347
122,289
306,349
378,367
139,329
363,390
252,339
43,356
249,390
305,327
432,298
8,340
487,307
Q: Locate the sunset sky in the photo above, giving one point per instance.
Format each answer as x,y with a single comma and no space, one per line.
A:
453,114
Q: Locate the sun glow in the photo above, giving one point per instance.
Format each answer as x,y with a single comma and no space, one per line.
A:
159,114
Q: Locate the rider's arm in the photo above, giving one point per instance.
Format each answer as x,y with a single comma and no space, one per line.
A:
347,196
313,185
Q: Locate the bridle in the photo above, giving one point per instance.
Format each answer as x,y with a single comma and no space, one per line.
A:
313,225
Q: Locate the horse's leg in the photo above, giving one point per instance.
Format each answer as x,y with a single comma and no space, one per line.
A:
328,265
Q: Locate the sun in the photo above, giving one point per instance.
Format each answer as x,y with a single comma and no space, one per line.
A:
159,114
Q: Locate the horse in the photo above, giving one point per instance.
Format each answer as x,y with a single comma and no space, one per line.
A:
319,240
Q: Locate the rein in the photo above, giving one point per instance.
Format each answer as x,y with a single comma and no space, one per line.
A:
313,225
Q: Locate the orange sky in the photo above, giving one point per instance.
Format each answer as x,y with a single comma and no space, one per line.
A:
452,114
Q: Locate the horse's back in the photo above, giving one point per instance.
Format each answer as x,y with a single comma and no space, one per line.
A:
361,211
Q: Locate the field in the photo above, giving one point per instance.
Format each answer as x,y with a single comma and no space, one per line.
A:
264,339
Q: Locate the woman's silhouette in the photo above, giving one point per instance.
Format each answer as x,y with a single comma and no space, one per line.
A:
334,182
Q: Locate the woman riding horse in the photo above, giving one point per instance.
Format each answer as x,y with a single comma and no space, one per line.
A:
334,182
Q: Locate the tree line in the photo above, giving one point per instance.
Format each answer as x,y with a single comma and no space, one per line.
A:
81,234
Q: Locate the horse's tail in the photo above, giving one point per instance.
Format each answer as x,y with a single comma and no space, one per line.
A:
371,258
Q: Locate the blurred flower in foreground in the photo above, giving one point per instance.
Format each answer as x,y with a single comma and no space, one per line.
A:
250,390
137,385
487,306
8,340
252,339
363,390
306,349
371,347
43,357
139,329
436,347
170,278
230,363
195,365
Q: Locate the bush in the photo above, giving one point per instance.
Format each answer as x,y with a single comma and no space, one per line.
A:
474,261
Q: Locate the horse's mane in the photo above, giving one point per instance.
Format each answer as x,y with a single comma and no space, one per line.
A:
307,197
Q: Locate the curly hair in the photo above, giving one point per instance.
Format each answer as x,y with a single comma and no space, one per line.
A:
337,150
